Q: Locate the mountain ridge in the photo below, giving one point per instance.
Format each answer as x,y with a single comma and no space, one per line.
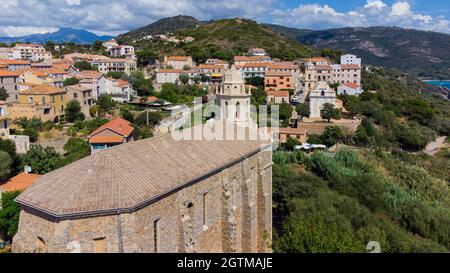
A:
424,54
62,35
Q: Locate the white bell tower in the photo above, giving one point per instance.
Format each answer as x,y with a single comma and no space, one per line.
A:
233,98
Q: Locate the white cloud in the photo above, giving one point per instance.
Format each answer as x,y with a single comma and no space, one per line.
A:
373,13
115,16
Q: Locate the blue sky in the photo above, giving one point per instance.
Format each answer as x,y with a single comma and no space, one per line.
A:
23,17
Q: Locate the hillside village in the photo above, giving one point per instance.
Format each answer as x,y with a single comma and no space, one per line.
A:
80,111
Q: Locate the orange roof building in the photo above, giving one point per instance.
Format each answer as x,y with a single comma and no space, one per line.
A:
113,133
19,182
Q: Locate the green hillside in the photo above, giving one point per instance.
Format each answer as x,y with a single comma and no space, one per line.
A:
227,38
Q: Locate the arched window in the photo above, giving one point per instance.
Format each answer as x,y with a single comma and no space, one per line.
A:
238,110
322,93
226,109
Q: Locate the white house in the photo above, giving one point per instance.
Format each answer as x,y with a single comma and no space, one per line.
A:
321,95
349,88
350,59
119,90
122,51
172,75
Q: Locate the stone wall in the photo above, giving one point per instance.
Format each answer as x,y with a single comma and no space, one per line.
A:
227,212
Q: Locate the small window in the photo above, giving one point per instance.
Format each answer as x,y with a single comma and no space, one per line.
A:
205,213
75,95
100,245
156,235
40,245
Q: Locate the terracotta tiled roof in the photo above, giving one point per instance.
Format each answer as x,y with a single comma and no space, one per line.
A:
130,176
19,182
278,74
278,93
282,65
89,74
53,71
105,139
324,67
350,66
179,71
15,62
352,85
210,66
42,90
249,58
178,58
8,74
114,61
152,99
118,125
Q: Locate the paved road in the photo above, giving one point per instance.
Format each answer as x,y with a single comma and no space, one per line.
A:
433,147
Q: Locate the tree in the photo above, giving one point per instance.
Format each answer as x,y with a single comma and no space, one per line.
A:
106,102
302,110
186,67
285,113
197,79
255,81
9,147
126,114
290,144
83,65
32,133
70,81
73,111
329,112
143,86
170,92
5,165
76,149
332,135
184,78
146,57
42,160
3,93
115,74
98,46
153,118
9,214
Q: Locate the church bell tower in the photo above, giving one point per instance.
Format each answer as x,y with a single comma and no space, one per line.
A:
233,98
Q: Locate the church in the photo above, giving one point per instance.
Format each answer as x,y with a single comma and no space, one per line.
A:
158,195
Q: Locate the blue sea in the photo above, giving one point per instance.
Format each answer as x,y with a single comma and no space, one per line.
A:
445,84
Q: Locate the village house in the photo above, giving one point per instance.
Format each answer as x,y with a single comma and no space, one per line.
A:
51,77
257,52
321,69
223,63
6,53
253,69
19,182
283,134
41,101
117,131
172,75
4,120
40,56
90,79
349,88
110,44
117,65
321,95
277,97
279,81
29,51
119,90
122,51
14,65
351,59
242,60
80,57
179,62
9,81
82,94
